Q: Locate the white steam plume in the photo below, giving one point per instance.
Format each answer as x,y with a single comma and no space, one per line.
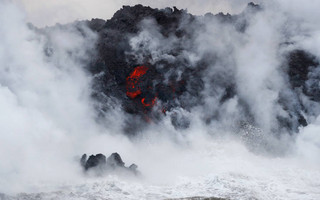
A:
50,12
47,116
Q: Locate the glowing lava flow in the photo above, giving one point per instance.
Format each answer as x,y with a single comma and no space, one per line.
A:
153,101
132,89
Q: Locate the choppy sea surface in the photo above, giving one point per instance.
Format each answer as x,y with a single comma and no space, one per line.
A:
225,169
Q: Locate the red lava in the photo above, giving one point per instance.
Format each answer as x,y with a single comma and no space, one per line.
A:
153,101
132,89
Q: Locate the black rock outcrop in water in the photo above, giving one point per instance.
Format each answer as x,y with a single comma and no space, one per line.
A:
101,164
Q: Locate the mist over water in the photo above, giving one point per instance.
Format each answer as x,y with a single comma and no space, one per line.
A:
49,119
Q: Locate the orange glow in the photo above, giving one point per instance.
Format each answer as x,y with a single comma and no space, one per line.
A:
138,72
150,103
132,89
133,94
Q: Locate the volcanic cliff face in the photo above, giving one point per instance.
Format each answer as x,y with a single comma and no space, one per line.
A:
156,63
133,73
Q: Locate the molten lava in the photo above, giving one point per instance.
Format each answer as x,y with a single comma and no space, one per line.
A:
133,89
146,104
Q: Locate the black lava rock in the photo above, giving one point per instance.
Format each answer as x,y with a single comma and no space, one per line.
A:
179,83
83,160
98,160
300,64
116,61
114,160
102,164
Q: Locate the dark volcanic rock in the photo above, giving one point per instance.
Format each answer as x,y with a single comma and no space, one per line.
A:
101,164
98,160
170,80
300,64
304,74
116,61
114,160
83,160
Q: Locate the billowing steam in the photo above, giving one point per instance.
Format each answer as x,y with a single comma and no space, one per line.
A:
212,105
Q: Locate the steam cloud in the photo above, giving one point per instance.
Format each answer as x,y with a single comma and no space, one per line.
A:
51,12
49,115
